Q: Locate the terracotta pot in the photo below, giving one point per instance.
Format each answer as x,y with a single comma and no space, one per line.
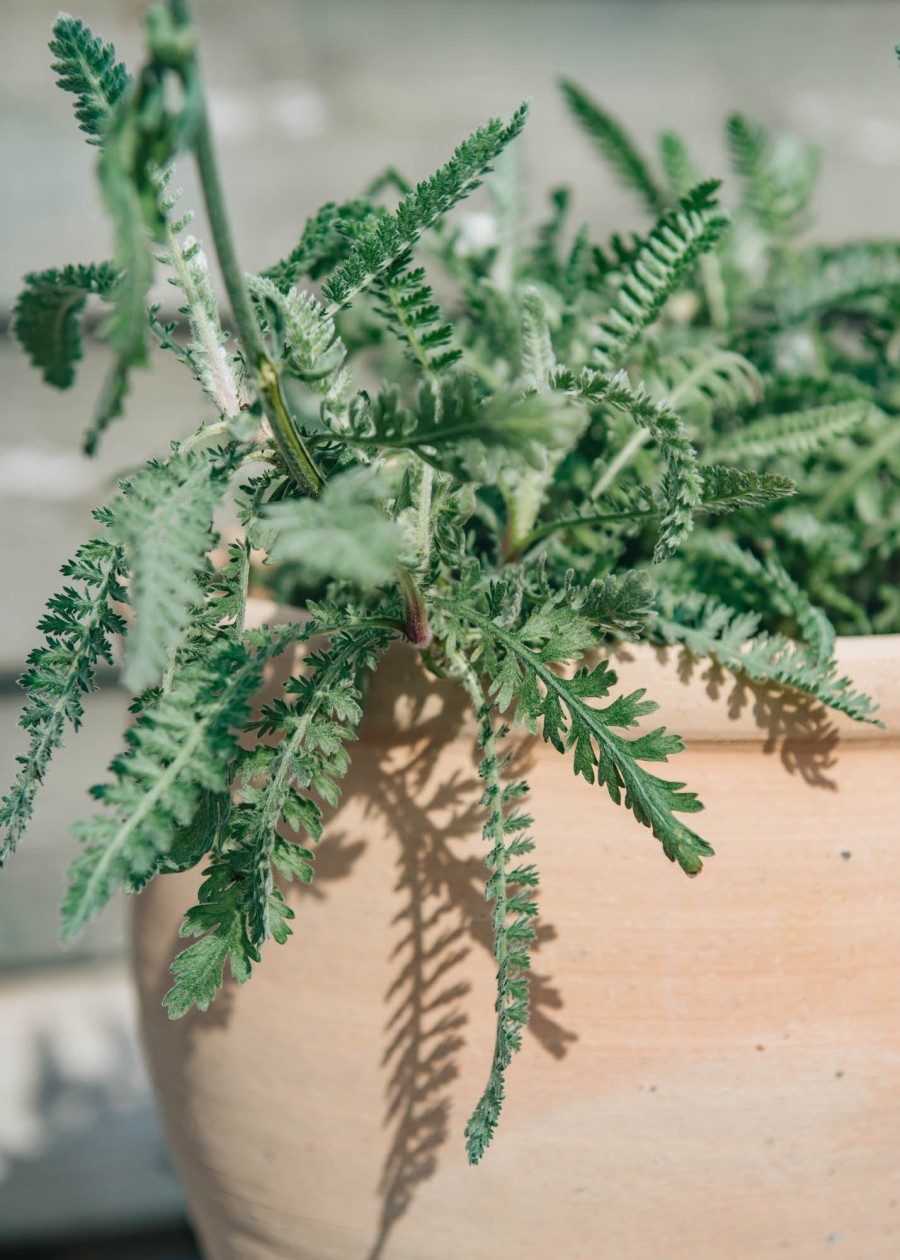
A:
712,1069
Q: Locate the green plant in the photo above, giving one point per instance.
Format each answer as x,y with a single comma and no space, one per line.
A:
575,419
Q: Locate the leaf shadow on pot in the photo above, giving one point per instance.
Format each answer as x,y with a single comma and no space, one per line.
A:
796,727
433,816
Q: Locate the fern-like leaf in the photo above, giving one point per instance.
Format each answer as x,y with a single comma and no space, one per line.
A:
709,628
836,279
87,67
682,173
751,579
164,523
616,146
618,604
324,243
239,906
79,625
219,920
509,887
313,723
206,355
182,744
682,486
706,379
778,177
46,318
538,358
657,268
406,300
391,236
344,535
793,433
519,664
460,432
302,333
734,489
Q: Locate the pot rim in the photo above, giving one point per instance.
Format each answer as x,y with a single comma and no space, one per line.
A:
696,699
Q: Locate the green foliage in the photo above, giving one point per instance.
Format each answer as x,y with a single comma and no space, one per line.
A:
302,333
407,303
344,535
509,887
657,267
834,279
708,628
703,380
182,744
778,177
618,605
46,319
390,237
731,489
682,487
324,243
240,907
206,353
678,166
793,433
519,665
462,432
87,67
78,627
163,521
615,145
723,404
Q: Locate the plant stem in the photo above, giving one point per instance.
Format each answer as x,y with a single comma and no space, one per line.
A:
423,522
415,614
217,429
298,460
540,532
714,288
625,456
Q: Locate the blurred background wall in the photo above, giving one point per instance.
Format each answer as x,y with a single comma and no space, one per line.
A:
311,98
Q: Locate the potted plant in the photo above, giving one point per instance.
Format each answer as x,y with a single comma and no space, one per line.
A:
456,523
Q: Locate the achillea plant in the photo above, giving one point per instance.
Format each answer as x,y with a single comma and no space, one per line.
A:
687,435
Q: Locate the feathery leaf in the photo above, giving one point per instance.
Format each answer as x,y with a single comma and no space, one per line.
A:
509,888
343,535
616,146
793,433
164,523
708,628
406,301
682,487
87,67
391,236
46,318
522,674
181,745
78,625
655,271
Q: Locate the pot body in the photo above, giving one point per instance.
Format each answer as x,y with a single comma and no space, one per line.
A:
712,1069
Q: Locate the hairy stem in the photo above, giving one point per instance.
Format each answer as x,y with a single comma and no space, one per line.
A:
415,614
293,450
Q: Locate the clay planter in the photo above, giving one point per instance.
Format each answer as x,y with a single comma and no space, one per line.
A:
713,1066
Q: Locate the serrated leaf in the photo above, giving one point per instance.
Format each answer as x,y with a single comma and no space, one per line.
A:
46,317
87,67
345,534
164,523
